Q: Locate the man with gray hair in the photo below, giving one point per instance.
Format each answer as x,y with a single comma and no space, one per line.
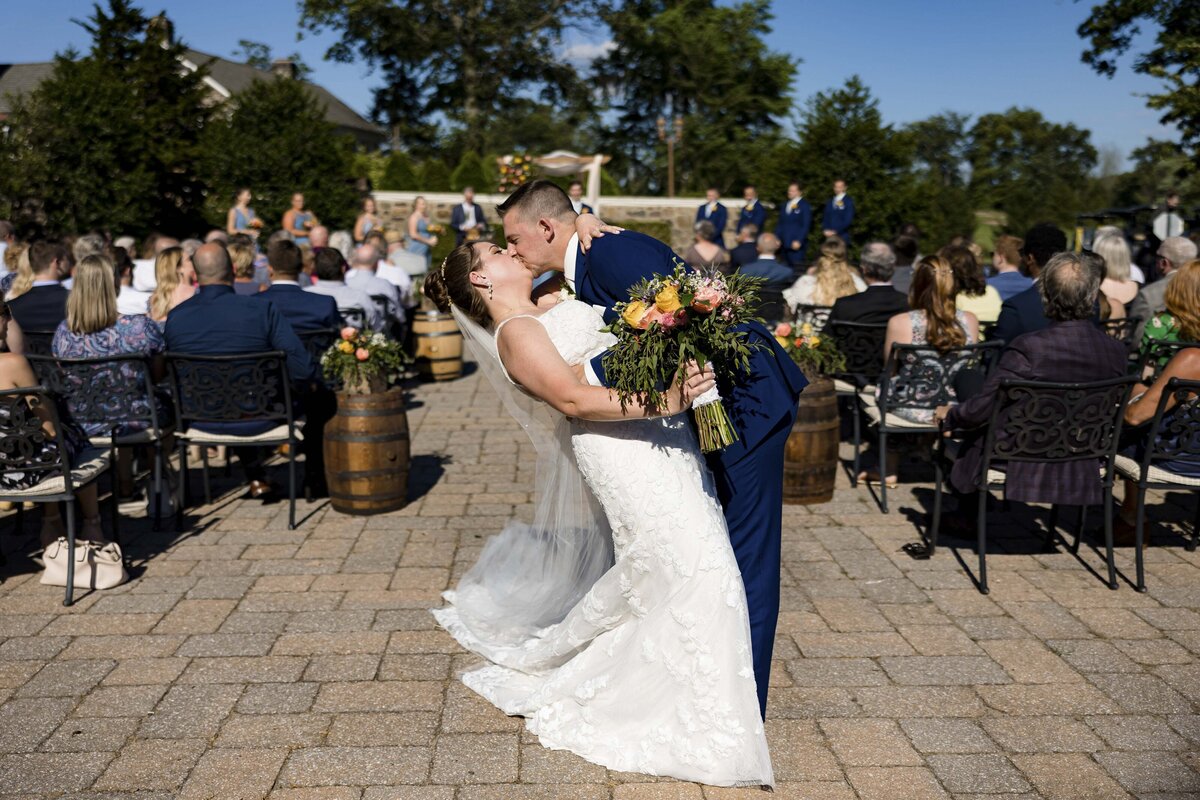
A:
1071,349
362,276
318,237
1173,253
880,301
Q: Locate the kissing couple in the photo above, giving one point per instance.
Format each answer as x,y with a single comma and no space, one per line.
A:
632,622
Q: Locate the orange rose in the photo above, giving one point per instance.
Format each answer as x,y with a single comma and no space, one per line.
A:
362,354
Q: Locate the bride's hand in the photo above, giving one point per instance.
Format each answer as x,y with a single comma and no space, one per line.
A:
589,227
691,382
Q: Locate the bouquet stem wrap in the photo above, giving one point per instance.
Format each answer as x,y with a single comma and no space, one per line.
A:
712,422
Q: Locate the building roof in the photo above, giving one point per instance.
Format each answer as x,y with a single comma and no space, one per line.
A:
228,76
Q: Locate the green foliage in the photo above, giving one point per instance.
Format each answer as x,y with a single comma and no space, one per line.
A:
363,361
1158,167
399,174
276,140
470,172
1028,167
1112,29
816,355
657,228
109,141
435,176
705,62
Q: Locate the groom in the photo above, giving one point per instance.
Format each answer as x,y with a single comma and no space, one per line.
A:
539,224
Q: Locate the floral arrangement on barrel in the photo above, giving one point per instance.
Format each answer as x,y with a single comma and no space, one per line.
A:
364,362
514,171
672,319
816,355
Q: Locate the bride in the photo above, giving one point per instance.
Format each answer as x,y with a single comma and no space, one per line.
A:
616,623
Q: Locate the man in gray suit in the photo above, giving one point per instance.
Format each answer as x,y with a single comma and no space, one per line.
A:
1173,253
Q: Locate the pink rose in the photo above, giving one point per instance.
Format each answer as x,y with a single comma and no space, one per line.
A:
674,320
362,354
349,333
707,298
783,329
652,315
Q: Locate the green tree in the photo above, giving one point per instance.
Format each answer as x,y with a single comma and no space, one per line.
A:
399,174
842,135
705,62
470,172
435,175
276,140
1028,167
259,55
936,194
461,58
1158,167
109,140
1113,28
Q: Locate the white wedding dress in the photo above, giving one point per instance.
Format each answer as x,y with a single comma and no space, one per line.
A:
650,671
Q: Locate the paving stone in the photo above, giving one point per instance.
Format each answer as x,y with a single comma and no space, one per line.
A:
943,670
152,764
799,753
308,644
190,711
555,767
122,647
947,736
887,783
930,701
939,640
376,729
1052,700
101,735
1068,776
658,791
1030,661
1150,772
1042,735
430,792
836,672
434,667
50,773
1142,694
120,701
142,671
196,616
869,743
242,774
323,793
210,645
1136,733
1093,656
262,669
988,773
25,723
65,678
348,766
273,730
379,696
852,645
40,648
278,698
475,758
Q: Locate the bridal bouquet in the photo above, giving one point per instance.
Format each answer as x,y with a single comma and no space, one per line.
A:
672,319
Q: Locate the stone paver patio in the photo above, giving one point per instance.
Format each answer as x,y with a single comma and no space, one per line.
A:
249,661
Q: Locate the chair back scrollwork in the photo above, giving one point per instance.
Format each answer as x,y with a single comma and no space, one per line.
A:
108,391
817,316
23,437
1175,431
862,345
231,388
919,376
38,343
354,316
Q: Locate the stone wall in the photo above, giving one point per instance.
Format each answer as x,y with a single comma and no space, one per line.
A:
679,212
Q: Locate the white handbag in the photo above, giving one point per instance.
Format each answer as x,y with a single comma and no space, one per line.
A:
97,566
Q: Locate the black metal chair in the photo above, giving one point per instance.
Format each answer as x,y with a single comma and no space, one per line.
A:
918,377
355,317
1123,330
112,391
1154,358
1044,423
862,345
772,307
816,316
317,343
1170,435
985,330
22,450
38,343
224,389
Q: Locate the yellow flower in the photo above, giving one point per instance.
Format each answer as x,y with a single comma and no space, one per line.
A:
633,314
345,346
814,341
667,300
783,341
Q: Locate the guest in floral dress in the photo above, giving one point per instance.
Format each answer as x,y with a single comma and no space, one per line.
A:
1181,321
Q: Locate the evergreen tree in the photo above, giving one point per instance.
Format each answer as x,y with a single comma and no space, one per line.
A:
108,141
276,140
936,195
435,175
399,174
470,172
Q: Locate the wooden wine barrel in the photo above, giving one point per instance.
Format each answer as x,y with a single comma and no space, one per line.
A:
439,346
811,455
367,453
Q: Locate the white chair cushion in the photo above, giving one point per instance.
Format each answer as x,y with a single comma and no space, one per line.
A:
844,387
1133,469
196,436
894,421
138,437
92,462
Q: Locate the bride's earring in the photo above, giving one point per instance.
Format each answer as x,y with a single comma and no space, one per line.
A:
491,292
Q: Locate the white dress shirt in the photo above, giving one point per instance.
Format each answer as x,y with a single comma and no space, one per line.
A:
349,297
373,285
468,216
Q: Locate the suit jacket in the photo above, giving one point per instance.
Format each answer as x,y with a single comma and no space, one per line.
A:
793,226
902,279
304,311
778,275
719,217
1021,313
1062,352
837,219
758,401
877,304
1150,300
743,254
752,215
41,308
458,217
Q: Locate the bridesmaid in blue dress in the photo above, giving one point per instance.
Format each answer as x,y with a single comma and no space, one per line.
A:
367,221
241,218
420,240
298,220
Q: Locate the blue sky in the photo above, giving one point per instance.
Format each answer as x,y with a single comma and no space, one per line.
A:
918,57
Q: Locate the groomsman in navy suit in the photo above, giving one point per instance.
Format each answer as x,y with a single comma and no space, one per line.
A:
839,213
714,212
753,212
539,225
575,192
795,219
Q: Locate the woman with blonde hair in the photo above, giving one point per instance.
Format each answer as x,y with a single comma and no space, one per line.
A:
174,276
16,258
829,279
242,256
1118,285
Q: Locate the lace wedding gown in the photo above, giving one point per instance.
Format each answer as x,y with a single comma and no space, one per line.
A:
651,670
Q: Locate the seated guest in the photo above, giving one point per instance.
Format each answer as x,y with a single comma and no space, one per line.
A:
746,249
218,321
905,248
1007,278
383,294
778,275
1118,287
11,340
318,237
242,255
1022,313
1181,320
827,280
16,261
174,276
1173,253
974,294
303,310
705,252
1135,272
1070,348
44,305
129,300
94,328
880,301
331,272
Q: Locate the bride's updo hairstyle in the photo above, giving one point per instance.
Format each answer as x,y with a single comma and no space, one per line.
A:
450,284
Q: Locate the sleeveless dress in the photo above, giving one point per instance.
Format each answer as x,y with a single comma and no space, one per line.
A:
651,671
420,248
298,223
241,221
919,328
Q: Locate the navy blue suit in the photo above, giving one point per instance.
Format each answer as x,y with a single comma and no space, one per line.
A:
793,226
458,217
762,405
1021,313
305,311
719,217
837,219
752,215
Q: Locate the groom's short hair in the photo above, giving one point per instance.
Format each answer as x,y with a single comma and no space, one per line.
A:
538,199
